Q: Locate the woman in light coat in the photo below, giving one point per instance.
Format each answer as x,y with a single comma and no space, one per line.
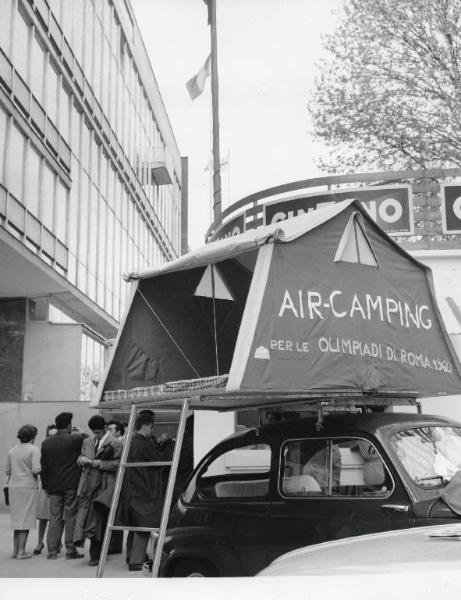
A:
22,469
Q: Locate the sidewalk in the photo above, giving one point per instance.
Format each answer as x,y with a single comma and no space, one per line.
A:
40,566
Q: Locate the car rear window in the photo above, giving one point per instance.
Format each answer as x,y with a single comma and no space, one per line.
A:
242,472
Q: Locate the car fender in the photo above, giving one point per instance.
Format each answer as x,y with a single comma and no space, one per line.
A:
207,543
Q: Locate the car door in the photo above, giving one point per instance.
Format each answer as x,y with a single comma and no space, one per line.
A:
232,499
331,488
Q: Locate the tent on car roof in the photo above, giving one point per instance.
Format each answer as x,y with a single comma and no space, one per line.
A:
321,303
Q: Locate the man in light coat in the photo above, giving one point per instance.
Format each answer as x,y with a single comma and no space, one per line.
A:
99,460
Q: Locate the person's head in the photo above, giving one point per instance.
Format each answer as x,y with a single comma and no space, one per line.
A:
27,433
64,421
144,424
51,430
273,416
147,411
97,426
116,428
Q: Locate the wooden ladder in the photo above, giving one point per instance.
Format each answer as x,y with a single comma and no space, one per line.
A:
158,532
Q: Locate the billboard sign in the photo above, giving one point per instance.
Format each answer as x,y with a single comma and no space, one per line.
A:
235,226
451,208
390,207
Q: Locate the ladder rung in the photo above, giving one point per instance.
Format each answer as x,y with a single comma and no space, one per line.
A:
147,464
129,528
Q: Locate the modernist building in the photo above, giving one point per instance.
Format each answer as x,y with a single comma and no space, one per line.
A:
92,186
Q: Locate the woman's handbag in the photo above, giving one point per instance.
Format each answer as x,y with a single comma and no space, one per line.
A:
6,494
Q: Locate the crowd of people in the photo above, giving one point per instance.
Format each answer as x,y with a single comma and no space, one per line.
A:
67,486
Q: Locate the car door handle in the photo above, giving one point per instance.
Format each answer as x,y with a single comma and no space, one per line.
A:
396,507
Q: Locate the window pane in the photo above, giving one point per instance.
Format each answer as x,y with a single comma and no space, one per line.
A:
77,20
101,250
61,211
20,45
83,229
346,467
5,27
83,370
37,70
73,210
228,475
85,155
33,181
95,159
93,231
64,104
110,261
76,123
88,46
66,19
15,162
52,93
97,61
106,63
2,140
48,197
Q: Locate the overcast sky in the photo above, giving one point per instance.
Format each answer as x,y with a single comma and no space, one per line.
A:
266,55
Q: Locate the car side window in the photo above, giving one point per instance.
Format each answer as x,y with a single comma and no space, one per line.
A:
333,467
242,472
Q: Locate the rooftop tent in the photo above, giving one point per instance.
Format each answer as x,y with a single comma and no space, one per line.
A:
325,303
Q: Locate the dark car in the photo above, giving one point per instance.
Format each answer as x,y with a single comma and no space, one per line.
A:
269,490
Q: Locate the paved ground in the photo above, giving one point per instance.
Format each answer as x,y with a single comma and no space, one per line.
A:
40,566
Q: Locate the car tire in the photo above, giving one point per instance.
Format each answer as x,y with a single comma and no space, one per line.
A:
194,567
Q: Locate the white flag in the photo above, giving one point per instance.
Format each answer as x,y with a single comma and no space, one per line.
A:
197,83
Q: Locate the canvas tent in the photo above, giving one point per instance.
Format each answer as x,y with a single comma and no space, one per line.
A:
322,304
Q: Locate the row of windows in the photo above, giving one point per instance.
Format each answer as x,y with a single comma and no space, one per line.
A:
34,64
26,175
96,219
129,109
309,467
110,69
105,233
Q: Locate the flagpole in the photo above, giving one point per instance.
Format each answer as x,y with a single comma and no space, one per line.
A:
217,204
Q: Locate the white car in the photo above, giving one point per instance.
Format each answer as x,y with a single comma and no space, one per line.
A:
422,551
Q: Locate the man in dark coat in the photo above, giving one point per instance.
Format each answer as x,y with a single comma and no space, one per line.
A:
60,476
141,497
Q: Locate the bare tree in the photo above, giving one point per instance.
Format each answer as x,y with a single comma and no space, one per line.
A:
388,95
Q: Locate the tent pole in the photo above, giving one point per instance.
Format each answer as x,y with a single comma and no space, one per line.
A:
214,320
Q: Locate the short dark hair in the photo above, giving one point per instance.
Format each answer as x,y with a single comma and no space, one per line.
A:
27,433
143,419
118,426
63,420
96,422
147,411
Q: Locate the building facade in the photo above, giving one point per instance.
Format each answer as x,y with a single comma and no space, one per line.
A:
92,186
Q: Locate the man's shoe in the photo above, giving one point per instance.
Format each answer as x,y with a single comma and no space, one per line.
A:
135,567
93,563
71,555
52,556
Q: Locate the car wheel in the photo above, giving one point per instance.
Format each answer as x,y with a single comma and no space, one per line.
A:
193,567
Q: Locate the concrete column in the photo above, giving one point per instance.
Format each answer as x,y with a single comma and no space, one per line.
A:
12,335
